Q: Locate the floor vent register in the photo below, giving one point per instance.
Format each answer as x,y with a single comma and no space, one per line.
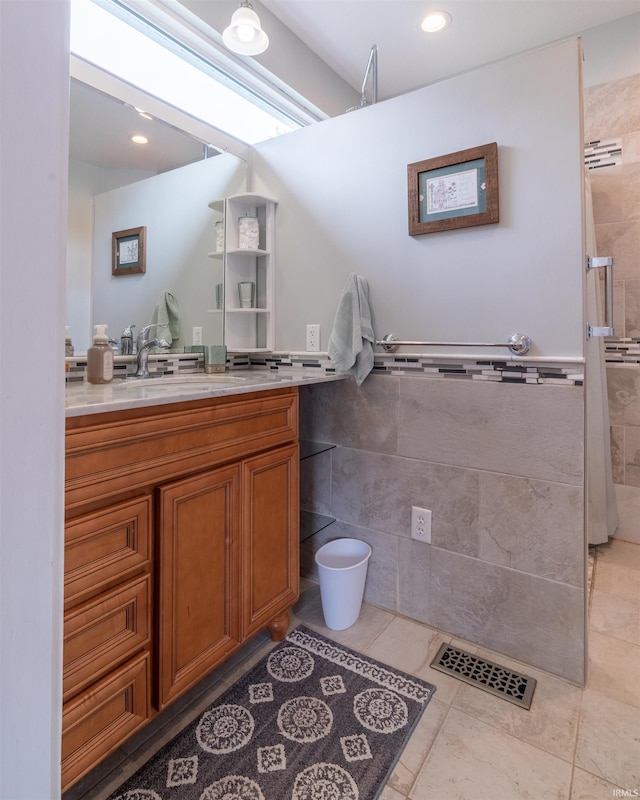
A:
499,681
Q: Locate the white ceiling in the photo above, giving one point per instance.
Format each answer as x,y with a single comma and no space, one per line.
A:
341,33
100,128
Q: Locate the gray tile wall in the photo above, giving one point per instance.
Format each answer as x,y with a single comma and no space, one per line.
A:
623,385
501,467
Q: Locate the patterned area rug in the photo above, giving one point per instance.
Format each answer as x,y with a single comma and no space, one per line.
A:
313,720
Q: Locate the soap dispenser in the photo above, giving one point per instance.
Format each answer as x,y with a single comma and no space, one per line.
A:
100,357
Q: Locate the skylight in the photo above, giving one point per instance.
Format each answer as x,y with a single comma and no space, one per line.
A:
174,75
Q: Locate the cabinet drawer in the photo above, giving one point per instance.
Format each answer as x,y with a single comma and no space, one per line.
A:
126,451
97,721
105,547
104,632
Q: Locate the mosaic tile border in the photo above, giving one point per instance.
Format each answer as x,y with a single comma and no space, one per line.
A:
498,370
444,367
622,351
125,366
599,154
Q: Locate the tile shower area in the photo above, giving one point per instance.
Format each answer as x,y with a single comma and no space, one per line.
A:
500,464
612,114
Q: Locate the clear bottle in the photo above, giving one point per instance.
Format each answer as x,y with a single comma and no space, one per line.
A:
68,344
100,357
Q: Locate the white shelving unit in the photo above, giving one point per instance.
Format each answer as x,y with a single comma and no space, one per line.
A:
247,329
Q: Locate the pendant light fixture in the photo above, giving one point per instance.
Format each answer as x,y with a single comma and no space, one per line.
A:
244,34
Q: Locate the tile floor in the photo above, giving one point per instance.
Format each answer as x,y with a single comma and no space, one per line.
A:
574,744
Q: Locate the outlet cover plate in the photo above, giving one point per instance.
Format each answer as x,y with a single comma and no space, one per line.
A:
421,524
313,338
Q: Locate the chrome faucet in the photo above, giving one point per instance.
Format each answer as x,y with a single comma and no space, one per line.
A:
143,333
144,346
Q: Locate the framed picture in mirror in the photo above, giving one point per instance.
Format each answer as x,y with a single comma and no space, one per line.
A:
457,190
129,251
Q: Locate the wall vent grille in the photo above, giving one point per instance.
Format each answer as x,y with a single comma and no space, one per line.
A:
493,678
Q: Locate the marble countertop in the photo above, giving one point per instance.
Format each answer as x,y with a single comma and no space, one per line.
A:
85,398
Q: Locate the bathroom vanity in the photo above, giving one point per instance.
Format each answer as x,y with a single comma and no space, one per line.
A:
181,542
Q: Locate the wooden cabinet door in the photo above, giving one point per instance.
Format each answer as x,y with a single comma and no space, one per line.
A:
270,539
197,577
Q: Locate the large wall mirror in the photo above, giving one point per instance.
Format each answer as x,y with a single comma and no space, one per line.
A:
165,187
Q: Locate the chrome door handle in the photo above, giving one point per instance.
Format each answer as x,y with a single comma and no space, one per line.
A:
606,263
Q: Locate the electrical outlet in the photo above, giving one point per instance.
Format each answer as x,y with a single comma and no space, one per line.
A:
421,524
197,336
313,338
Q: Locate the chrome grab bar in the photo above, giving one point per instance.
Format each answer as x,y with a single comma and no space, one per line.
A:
518,344
606,263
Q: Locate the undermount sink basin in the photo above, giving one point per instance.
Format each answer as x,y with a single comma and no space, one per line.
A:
188,380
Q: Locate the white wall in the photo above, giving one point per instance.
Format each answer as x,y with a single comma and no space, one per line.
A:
34,87
342,192
180,232
612,51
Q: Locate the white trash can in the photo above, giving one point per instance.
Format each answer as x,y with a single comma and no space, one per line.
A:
342,566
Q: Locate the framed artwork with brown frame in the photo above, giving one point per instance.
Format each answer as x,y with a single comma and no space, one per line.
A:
458,190
129,251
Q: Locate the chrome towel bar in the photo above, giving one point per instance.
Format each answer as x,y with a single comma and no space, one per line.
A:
518,344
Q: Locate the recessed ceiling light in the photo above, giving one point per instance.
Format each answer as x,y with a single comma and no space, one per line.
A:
435,21
138,139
